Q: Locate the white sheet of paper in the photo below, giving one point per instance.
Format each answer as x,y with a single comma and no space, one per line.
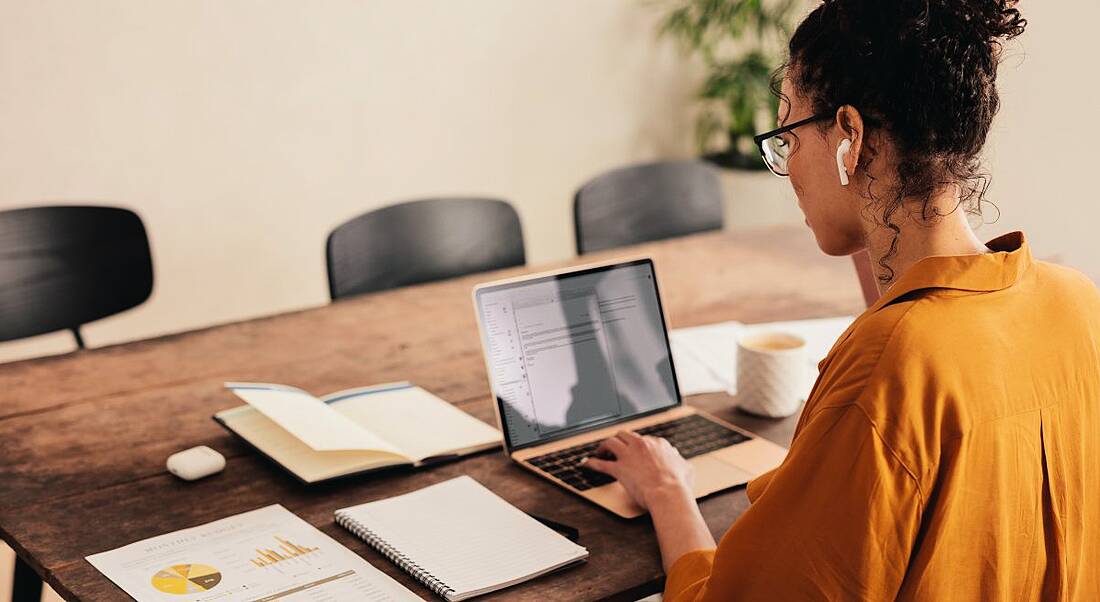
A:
692,374
268,554
714,346
309,419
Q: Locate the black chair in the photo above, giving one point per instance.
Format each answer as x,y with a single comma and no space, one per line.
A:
647,202
62,267
26,585
422,241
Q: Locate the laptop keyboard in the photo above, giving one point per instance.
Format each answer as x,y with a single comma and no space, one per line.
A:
692,435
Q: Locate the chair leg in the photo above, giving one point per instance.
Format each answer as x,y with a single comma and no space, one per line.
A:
26,586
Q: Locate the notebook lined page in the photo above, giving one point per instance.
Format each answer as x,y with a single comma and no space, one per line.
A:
413,420
465,536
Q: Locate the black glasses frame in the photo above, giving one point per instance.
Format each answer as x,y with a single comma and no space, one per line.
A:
760,138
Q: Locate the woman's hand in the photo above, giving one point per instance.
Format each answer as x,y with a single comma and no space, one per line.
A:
649,468
660,480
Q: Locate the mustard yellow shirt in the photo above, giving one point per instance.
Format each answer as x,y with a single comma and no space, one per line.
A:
950,450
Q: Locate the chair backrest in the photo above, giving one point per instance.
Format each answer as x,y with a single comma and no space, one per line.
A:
421,241
647,202
61,267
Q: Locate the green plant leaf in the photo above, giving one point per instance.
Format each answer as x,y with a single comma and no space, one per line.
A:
738,41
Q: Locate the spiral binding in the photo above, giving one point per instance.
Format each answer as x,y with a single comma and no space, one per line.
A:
407,564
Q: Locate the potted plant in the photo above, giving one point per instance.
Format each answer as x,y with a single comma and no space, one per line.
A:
740,43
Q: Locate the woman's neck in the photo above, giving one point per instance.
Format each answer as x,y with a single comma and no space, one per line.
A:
946,235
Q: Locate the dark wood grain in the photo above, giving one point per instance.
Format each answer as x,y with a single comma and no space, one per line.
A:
250,482
85,435
750,276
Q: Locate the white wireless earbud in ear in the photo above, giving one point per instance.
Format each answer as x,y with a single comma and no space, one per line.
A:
841,155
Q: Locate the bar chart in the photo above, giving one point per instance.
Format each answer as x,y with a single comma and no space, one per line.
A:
287,550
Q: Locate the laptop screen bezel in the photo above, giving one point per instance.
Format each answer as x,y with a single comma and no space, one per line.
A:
536,279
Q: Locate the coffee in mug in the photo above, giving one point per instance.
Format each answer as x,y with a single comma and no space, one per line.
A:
771,373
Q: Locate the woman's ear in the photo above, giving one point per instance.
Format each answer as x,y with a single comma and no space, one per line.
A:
850,125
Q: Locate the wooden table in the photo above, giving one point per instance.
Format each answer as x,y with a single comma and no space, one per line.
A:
85,435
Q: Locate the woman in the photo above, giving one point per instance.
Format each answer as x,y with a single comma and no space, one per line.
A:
949,449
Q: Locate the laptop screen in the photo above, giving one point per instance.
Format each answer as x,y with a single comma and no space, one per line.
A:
577,351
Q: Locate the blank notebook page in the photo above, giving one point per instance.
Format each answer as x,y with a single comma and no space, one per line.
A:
465,536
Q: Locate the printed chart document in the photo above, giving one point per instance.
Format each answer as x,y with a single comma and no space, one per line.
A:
260,556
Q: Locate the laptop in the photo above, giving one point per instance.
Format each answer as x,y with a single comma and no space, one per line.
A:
574,357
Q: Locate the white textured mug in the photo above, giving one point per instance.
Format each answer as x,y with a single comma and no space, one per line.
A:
771,373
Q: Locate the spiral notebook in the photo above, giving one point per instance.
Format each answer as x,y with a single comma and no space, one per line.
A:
460,539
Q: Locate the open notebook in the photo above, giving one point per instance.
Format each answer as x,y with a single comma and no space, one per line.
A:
353,431
460,539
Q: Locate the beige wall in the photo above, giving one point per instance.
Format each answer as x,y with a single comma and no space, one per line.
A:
243,131
1044,152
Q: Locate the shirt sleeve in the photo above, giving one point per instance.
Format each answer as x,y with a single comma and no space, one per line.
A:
837,520
759,485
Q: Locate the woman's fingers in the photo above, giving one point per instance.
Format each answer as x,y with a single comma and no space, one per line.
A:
615,446
610,447
604,466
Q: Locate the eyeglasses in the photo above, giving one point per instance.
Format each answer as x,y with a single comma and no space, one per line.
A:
775,150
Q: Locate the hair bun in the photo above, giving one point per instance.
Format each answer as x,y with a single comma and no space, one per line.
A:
930,21
992,20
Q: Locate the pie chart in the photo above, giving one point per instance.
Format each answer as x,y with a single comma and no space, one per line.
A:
186,579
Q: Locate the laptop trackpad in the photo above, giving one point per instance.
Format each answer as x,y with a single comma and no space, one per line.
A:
712,474
754,457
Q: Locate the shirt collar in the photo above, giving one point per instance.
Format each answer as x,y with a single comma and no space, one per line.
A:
1009,261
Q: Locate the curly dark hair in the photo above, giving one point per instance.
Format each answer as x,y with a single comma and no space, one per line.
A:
922,71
